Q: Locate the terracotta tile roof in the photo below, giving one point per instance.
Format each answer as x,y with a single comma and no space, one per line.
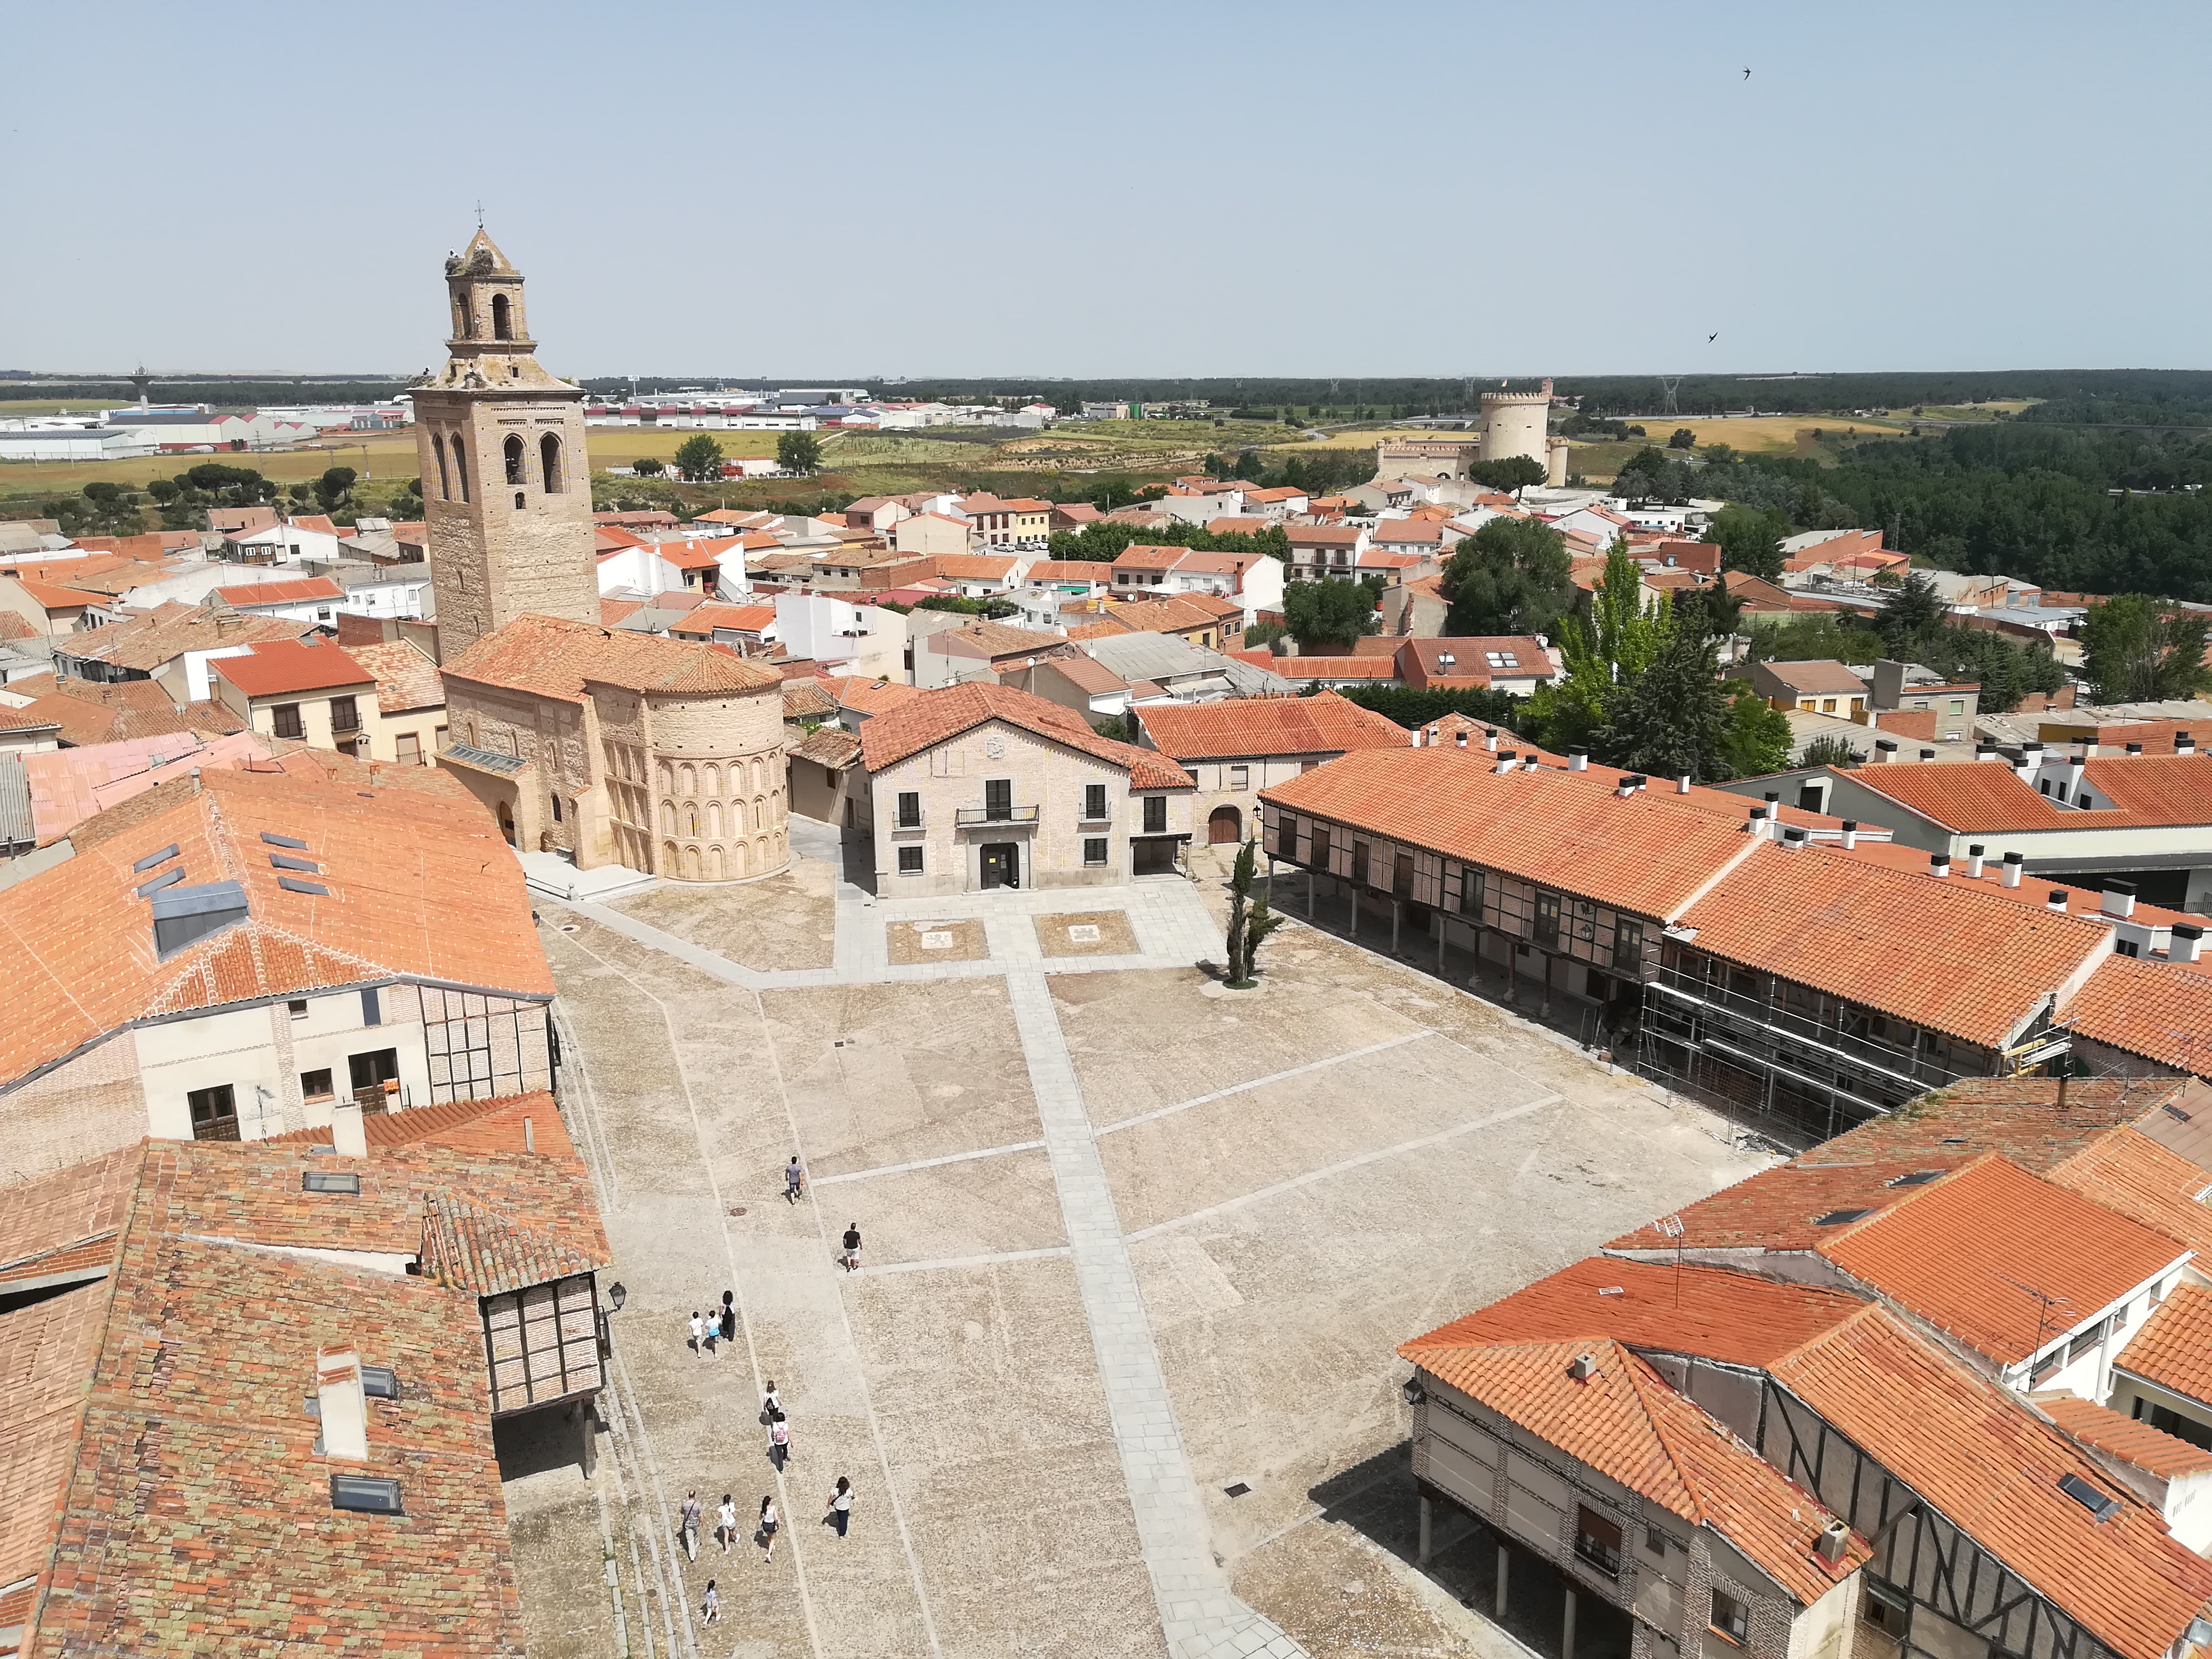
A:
1409,532
1941,954
204,1407
466,1126
1956,1251
992,639
614,610
808,699
317,521
869,696
406,676
2163,1014
1237,527
50,597
552,657
57,1216
1626,1423
276,667
2164,1455
1522,654
1146,556
1171,615
2160,789
975,567
169,630
1087,674
1985,1462
77,943
69,785
1647,853
1336,668
90,713
2128,1172
1735,1318
1325,724
1069,570
46,1352
2164,790
1104,628
292,593
831,747
934,716
739,619
1815,677
1322,535
2174,1349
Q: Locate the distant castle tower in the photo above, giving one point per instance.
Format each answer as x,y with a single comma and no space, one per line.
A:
506,481
1513,424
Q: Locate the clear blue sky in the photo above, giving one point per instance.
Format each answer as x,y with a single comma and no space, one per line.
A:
1206,187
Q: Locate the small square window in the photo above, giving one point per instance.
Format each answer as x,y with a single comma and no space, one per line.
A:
213,1113
379,1382
297,1007
910,861
316,1084
1240,777
1156,815
365,1493
1094,849
329,1181
1730,1619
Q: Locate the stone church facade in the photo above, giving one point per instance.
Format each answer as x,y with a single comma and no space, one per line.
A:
605,746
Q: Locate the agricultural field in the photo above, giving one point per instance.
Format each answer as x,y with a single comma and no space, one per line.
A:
13,409
1770,435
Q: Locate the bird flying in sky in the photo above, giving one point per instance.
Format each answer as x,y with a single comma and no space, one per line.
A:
1747,74
1712,337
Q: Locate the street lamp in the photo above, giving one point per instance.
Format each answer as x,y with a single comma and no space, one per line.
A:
616,1295
1411,1387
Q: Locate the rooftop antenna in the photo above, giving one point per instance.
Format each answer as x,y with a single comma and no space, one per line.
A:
2045,1304
1670,1226
1668,384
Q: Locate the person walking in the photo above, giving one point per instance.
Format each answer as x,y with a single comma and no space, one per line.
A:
687,1527
853,1247
779,1440
768,1527
726,1522
729,1316
840,1505
698,1335
710,1606
794,1180
770,1401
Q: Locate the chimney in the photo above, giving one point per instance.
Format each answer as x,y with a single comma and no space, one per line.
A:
1577,760
1583,1367
2074,765
1939,866
1490,738
2055,900
2120,898
1885,749
1835,1537
1926,755
1974,862
1682,784
343,1404
2011,873
2135,748
528,1136
1507,761
1986,751
1758,825
1419,733
2184,744
347,1133
1793,838
1459,739
1850,834
2184,947
2064,1077
1773,810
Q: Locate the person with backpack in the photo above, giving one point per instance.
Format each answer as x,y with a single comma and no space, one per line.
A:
779,1440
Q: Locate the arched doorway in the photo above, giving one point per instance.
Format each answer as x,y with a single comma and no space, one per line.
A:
1224,826
507,823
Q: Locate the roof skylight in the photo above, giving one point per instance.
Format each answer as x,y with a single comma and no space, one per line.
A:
1840,1218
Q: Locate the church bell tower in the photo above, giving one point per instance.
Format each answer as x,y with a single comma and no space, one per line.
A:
507,492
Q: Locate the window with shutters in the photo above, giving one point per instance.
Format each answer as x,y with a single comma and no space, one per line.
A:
1547,920
1597,1540
1470,893
1156,815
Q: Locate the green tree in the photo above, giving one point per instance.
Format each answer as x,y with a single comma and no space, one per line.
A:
1682,438
104,495
1512,475
335,485
301,493
1914,609
648,466
1756,739
699,459
162,490
1250,920
1259,635
1511,576
798,452
1830,751
1327,615
1673,717
1750,540
1648,475
2135,650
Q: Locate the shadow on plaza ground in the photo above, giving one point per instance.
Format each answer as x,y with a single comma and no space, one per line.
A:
1379,1499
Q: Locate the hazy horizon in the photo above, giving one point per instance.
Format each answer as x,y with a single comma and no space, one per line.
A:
983,192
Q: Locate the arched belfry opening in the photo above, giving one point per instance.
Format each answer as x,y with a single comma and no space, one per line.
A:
549,464
503,318
514,458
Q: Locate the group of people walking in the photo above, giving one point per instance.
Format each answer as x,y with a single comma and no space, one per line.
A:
708,1331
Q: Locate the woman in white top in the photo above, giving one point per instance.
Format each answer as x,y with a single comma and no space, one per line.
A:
768,1526
726,1517
840,1505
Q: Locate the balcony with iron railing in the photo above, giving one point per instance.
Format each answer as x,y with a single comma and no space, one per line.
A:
1011,817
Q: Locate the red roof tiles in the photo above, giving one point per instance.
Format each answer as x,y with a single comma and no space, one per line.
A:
2130,1442
934,716
2174,1349
553,658
1243,726
276,667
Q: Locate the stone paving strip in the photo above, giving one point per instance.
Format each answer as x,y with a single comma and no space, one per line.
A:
926,1162
1200,1615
